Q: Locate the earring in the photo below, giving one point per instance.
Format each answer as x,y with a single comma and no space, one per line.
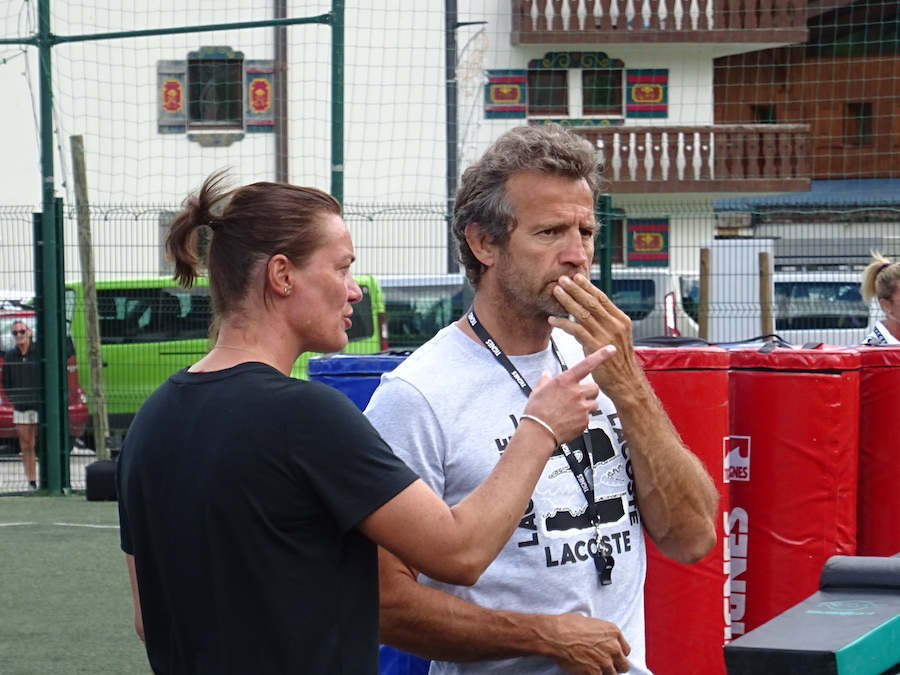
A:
287,291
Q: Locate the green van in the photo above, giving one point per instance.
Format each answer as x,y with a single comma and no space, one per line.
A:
150,328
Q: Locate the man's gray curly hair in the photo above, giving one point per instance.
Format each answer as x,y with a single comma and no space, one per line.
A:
482,198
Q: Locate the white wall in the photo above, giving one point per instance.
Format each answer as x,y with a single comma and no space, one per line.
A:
394,126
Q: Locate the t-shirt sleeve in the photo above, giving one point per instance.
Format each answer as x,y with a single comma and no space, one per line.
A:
346,461
405,419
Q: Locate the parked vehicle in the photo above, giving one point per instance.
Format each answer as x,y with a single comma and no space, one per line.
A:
150,328
419,305
822,307
658,301
808,306
77,400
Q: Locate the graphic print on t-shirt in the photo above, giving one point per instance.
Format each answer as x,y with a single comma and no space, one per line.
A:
557,517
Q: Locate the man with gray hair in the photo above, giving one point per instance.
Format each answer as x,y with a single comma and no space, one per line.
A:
566,593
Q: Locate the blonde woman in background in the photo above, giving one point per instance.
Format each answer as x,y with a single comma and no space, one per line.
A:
881,279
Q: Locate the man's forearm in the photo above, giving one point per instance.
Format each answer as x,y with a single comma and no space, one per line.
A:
439,626
676,496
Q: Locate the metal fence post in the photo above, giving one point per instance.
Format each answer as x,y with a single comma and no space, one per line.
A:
53,441
604,241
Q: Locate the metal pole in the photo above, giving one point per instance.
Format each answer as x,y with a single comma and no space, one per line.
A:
451,121
282,147
37,233
44,45
48,278
174,30
605,239
337,100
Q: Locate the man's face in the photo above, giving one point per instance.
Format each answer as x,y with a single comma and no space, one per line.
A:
21,333
553,236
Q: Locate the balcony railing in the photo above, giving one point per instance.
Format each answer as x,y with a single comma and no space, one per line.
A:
688,21
717,158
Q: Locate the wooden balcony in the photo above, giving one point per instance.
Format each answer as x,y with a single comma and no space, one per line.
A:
717,158
546,22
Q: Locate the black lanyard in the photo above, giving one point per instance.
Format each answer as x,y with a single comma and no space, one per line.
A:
602,561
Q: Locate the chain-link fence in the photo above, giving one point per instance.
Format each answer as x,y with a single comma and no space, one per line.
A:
750,156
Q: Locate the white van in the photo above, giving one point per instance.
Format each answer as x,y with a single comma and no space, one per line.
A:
658,301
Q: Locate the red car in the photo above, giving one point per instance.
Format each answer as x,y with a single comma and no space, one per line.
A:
78,409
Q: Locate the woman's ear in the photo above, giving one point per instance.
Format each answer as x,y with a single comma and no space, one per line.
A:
480,245
280,275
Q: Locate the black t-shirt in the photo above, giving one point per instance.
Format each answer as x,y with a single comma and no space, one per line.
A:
239,491
20,378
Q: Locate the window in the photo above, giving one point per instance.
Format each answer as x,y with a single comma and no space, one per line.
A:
215,92
690,296
764,114
602,92
576,85
363,320
858,124
215,96
548,92
419,306
819,305
635,297
136,315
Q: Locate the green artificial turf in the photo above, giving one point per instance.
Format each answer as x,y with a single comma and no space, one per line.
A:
65,600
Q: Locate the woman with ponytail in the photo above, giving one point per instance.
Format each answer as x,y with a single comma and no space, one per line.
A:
881,279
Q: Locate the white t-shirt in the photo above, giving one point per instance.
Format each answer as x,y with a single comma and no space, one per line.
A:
880,335
448,411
